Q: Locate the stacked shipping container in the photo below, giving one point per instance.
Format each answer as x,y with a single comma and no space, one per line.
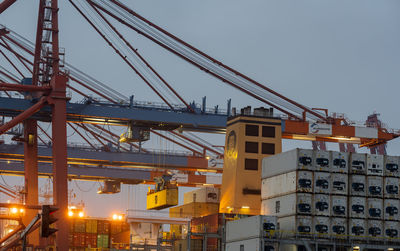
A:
332,194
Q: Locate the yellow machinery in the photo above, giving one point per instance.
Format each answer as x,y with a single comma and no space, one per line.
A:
164,195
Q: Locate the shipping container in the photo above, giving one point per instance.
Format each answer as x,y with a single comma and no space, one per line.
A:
374,186
162,199
295,203
322,182
296,181
79,226
209,223
375,208
391,209
182,245
116,227
357,207
296,159
103,241
339,228
358,163
339,183
251,227
374,164
391,229
339,206
177,231
91,240
357,229
375,229
339,162
256,244
391,166
357,185
295,225
322,160
195,209
204,195
391,187
322,204
91,226
322,227
103,227
79,239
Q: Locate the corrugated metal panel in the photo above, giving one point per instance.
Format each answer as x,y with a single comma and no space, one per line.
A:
250,227
162,199
205,194
291,226
295,203
366,132
249,244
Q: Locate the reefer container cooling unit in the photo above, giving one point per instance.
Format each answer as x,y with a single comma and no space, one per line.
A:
322,182
290,204
391,209
339,228
357,207
358,163
322,160
339,206
391,187
374,164
391,166
375,186
339,163
339,183
375,229
391,229
296,225
374,208
322,204
357,185
357,229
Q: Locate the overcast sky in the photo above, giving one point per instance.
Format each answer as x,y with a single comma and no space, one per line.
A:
336,54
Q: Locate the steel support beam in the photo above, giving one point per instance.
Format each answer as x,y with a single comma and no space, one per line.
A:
5,4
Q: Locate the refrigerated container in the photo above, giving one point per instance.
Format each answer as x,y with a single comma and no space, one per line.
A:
322,160
295,203
374,164
339,163
391,209
374,186
322,182
255,244
391,187
251,227
295,225
339,206
322,204
204,195
357,229
339,227
321,227
391,166
357,207
296,181
358,163
391,229
296,159
375,229
357,185
374,208
339,183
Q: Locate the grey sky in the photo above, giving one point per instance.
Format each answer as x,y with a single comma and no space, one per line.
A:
336,54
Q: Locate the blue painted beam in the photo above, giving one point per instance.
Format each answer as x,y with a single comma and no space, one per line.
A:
157,118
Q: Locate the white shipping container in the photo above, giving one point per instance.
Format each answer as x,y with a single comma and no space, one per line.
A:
357,207
358,163
357,185
322,204
203,195
391,229
296,181
374,186
339,206
339,163
374,164
256,244
295,225
375,229
339,183
251,227
391,166
290,204
391,187
357,228
322,160
391,209
339,227
322,182
321,227
375,208
296,159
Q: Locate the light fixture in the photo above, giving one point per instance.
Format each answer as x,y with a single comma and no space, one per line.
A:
80,214
245,207
70,213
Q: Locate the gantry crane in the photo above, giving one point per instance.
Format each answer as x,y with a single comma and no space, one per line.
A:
46,98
